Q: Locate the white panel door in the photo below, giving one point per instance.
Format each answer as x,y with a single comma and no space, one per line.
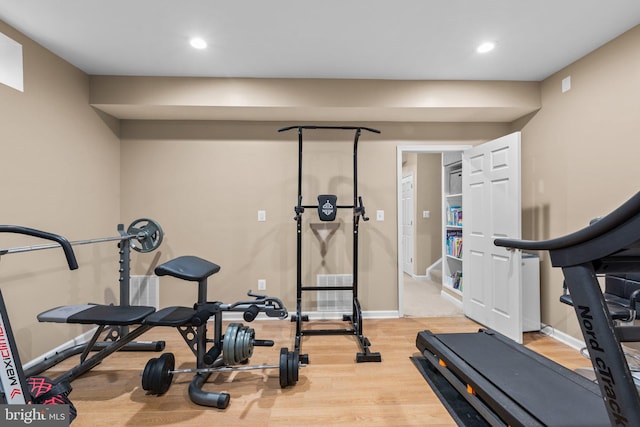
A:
492,208
407,224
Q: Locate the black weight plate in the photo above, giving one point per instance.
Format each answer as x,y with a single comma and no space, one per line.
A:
296,369
168,364
147,377
156,377
291,364
284,371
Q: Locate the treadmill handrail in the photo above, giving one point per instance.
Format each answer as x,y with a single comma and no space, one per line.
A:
66,246
616,218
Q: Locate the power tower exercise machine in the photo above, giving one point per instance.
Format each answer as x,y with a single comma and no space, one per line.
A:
511,385
327,207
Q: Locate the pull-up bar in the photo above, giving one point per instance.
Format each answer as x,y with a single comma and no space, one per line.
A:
358,129
330,127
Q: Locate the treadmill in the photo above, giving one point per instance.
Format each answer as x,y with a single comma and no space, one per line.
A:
509,384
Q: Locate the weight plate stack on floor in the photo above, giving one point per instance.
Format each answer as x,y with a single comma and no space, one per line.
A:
289,367
157,374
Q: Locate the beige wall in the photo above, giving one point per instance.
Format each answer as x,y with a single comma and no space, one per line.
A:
222,173
580,154
60,166
429,198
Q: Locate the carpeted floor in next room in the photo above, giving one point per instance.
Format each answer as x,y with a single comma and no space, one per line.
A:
422,298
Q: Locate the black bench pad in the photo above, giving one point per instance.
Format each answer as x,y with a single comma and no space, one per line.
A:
171,316
95,314
191,268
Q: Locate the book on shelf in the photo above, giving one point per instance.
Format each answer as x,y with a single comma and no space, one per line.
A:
454,243
457,280
454,216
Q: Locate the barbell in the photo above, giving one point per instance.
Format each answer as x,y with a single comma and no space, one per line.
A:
237,347
144,235
158,372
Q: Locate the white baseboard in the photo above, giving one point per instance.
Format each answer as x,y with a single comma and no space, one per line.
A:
319,315
562,337
451,298
80,339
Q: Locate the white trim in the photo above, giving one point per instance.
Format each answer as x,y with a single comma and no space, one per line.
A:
451,298
317,315
433,266
562,337
400,150
80,339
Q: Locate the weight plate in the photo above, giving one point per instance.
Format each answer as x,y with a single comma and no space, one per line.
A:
250,337
147,377
284,371
239,347
290,368
157,375
168,364
296,369
148,234
229,343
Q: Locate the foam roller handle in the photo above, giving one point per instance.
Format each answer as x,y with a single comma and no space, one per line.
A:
251,312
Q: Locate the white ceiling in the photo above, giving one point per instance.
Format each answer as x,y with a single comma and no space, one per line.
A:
359,39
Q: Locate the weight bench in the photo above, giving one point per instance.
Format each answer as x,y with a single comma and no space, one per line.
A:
236,346
117,317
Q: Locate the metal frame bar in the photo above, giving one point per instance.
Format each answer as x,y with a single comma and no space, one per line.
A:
13,385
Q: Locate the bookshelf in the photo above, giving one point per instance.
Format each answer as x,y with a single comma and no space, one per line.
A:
452,223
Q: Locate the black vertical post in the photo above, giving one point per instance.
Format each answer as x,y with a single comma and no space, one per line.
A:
607,357
125,266
124,247
356,216
299,248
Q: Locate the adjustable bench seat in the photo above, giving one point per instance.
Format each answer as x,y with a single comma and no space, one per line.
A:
188,267
171,316
97,314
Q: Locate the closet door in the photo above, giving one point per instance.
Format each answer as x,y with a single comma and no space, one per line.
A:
492,293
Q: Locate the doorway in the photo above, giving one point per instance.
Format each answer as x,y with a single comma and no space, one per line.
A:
425,294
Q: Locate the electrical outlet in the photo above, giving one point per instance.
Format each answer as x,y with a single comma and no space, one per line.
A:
379,215
262,216
262,284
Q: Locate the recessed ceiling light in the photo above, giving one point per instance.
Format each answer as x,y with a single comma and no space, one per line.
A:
485,47
198,43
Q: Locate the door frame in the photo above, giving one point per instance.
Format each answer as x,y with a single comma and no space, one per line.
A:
409,177
400,150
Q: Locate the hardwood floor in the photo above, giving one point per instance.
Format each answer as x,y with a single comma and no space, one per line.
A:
332,390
